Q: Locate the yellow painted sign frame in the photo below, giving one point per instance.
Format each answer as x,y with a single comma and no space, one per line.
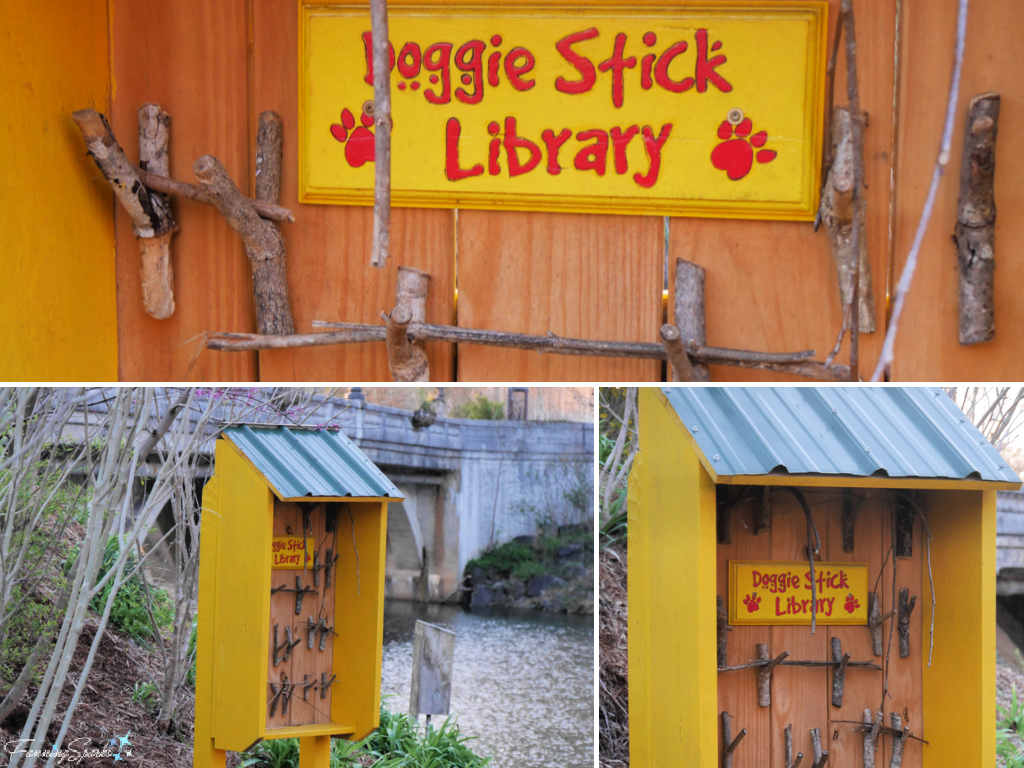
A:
319,175
745,606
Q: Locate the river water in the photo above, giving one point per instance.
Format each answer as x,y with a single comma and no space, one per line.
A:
522,683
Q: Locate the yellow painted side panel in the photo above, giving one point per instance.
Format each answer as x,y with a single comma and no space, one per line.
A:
58,319
204,754
243,604
672,634
959,688
359,612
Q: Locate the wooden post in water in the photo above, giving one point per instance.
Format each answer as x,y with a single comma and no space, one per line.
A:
433,653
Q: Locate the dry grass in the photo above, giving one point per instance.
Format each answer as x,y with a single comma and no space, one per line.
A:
614,677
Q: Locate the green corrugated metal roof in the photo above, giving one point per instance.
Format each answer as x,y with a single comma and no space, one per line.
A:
859,431
311,462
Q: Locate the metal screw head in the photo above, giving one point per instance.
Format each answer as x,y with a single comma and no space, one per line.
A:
867,450
715,457
735,116
368,108
835,410
696,429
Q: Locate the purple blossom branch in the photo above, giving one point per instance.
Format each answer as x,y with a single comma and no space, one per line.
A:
903,287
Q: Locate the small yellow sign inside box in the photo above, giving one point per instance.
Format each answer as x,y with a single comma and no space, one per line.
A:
288,551
769,592
668,108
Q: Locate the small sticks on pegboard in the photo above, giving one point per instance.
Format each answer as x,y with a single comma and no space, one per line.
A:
729,744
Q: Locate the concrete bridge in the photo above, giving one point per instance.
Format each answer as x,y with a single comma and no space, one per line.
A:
468,484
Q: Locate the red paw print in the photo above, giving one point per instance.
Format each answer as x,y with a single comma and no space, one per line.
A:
852,604
735,155
361,144
753,602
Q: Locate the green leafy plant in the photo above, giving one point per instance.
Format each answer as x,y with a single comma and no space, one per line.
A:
480,407
527,570
1008,732
276,753
502,560
147,694
129,611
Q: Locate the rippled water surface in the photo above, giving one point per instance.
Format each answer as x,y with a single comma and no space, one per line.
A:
522,683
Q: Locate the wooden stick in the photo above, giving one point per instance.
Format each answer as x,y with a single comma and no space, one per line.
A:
723,633
906,608
870,736
157,268
898,743
849,521
198,194
264,244
689,311
797,663
382,138
857,232
813,545
150,214
729,744
904,546
797,363
764,675
838,676
790,763
763,511
407,361
976,221
820,758
682,369
875,622
723,524
837,215
830,88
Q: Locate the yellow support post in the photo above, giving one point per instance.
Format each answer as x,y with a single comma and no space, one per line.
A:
315,752
204,753
673,694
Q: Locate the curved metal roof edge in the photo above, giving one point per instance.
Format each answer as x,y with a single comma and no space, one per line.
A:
973,480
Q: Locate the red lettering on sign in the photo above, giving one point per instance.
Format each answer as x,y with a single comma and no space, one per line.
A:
553,144
473,65
442,65
583,65
409,60
593,157
514,142
620,141
618,65
654,147
661,70
368,47
451,157
514,71
706,67
493,62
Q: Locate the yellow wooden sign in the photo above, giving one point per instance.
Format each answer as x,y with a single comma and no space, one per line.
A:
668,108
287,552
768,592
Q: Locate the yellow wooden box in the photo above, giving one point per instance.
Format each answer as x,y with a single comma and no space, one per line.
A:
674,574
235,612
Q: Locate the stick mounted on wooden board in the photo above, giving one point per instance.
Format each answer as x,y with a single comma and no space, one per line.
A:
790,762
907,604
837,212
264,243
406,358
381,113
688,311
150,213
729,744
723,633
764,674
976,221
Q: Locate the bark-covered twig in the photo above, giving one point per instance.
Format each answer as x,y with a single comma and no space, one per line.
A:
790,762
150,214
907,276
382,137
820,757
906,608
197,194
729,744
839,675
264,243
870,736
813,545
763,511
764,674
875,621
754,663
407,361
688,310
723,632
157,268
976,221
682,369
898,742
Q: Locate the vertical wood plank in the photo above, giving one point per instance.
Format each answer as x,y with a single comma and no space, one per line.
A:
323,661
287,522
800,695
570,274
190,58
862,687
773,286
737,691
328,262
905,675
928,348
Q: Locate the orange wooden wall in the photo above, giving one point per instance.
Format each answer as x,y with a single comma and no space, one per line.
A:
771,286
802,696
